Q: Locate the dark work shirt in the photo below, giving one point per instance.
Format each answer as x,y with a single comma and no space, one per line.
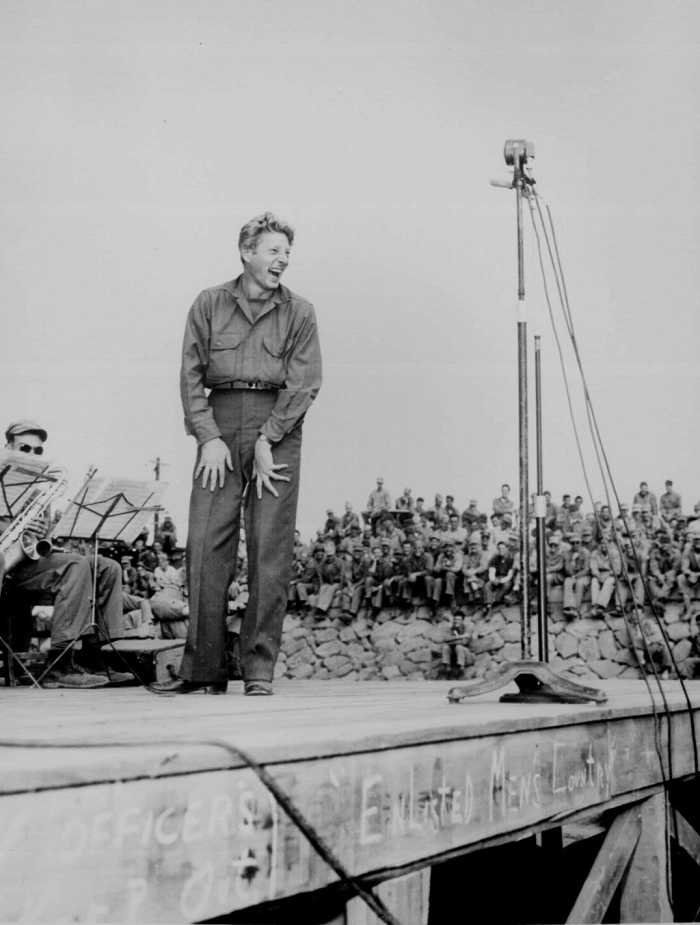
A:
224,342
501,565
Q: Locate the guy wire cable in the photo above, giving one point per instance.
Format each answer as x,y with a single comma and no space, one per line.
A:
592,423
570,325
571,413
597,442
657,742
268,781
575,344
584,469
602,473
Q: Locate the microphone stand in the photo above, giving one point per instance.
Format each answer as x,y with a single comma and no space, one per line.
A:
536,681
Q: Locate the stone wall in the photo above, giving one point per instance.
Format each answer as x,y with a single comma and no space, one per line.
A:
397,647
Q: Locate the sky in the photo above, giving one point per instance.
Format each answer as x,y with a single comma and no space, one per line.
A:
140,136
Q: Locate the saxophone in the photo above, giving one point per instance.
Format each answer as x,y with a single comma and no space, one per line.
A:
17,542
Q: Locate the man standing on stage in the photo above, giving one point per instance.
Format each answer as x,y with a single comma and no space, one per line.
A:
254,344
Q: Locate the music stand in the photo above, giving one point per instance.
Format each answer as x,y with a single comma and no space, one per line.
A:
112,509
20,475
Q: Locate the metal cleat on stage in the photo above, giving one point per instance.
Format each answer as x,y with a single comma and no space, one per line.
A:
538,683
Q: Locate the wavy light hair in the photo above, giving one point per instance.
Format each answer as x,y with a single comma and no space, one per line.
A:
261,224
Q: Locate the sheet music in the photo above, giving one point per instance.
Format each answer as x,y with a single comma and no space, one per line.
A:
21,476
116,508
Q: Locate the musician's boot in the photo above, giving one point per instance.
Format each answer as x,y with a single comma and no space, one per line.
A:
65,673
91,660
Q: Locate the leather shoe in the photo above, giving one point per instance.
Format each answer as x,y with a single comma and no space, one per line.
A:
257,688
117,678
181,686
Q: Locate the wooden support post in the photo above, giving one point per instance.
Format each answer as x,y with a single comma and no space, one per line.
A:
407,897
688,838
608,868
644,895
553,839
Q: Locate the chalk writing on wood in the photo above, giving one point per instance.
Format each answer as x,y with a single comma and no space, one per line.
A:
190,847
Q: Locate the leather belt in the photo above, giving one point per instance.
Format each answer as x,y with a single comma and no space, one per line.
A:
244,386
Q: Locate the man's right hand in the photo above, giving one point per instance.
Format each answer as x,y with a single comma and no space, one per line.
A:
37,526
213,460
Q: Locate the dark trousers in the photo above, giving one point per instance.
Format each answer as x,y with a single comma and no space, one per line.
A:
212,546
68,579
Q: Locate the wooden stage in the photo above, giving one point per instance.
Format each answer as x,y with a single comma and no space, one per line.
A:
161,824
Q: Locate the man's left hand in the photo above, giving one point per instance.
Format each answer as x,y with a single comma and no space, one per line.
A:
265,468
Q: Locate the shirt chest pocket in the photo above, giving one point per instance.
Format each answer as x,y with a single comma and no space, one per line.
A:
275,347
273,358
225,357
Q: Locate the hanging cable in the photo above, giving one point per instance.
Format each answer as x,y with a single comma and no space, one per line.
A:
580,450
570,326
657,724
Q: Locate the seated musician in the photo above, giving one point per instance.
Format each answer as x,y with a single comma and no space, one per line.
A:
68,579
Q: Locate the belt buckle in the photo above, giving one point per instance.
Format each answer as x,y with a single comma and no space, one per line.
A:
252,385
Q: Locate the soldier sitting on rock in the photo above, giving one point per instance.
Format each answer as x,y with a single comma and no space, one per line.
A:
330,573
445,571
604,526
455,655
500,577
387,529
299,570
380,569
690,667
471,516
689,577
514,551
578,576
664,566
416,581
631,579
605,570
655,653
475,567
349,520
554,563
353,590
392,584
309,581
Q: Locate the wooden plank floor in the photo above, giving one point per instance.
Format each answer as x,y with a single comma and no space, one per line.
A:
304,719
138,816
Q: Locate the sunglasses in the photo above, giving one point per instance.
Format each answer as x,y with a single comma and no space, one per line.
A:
28,448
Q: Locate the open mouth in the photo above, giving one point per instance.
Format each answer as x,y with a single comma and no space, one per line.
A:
276,273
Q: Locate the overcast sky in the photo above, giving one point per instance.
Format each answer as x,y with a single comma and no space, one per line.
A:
139,136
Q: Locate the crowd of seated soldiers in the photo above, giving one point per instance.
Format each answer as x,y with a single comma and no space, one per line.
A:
154,581
404,555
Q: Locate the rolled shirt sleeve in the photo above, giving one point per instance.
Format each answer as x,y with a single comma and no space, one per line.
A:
199,417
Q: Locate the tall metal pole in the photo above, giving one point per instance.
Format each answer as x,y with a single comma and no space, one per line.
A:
518,155
540,511
156,522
